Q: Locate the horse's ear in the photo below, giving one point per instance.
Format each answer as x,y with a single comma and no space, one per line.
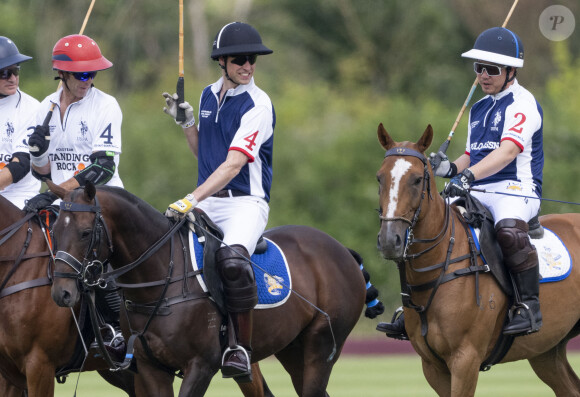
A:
56,189
384,138
425,141
90,191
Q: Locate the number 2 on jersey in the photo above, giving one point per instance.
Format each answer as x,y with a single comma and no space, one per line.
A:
517,128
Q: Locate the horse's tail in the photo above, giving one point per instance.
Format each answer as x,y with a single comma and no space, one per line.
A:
374,306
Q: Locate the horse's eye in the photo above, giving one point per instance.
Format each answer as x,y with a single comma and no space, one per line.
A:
86,234
418,181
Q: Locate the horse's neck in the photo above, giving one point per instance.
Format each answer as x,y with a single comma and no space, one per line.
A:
10,213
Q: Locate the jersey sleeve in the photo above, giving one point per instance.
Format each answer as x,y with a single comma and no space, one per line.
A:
522,121
255,128
107,135
26,124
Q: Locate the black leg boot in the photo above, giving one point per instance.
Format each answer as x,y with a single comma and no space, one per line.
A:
236,361
240,298
396,328
526,317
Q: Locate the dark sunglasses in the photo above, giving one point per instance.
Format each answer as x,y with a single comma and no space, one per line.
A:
492,70
5,74
84,76
241,60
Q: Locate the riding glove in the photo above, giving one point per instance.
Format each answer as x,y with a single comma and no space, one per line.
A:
38,145
442,166
460,184
40,201
171,109
181,207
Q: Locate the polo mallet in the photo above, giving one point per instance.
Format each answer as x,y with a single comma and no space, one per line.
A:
443,148
49,114
180,116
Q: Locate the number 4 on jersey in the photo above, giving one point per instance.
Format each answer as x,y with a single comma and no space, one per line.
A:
107,135
251,140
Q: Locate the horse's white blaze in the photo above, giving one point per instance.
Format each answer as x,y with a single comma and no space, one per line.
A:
66,220
401,167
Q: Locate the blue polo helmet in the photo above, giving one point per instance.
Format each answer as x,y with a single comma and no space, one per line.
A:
498,45
237,38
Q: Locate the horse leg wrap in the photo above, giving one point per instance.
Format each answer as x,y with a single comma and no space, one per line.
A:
238,278
521,260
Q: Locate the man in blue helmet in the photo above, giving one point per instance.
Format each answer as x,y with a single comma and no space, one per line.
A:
17,112
504,153
233,143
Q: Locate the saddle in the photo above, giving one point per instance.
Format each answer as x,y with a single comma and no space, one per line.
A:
211,236
479,217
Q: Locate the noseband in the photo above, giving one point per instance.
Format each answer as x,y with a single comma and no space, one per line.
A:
88,273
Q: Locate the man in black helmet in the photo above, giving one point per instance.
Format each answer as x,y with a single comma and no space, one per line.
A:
504,152
233,143
17,112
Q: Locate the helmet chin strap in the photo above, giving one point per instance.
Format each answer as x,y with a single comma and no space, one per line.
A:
508,69
225,69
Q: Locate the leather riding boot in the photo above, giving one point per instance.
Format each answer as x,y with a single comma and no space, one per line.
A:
240,298
396,328
236,361
526,317
521,259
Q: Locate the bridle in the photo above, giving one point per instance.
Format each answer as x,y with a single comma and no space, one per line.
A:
89,272
425,191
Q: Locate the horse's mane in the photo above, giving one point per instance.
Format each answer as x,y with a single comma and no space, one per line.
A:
129,197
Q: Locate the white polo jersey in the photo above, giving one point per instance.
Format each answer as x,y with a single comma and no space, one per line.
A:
89,125
17,114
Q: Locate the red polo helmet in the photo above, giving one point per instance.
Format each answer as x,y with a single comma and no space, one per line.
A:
78,53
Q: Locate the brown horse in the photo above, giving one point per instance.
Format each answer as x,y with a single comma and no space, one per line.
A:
36,336
306,333
447,327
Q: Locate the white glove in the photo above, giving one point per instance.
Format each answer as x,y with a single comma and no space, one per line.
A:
181,208
171,109
444,169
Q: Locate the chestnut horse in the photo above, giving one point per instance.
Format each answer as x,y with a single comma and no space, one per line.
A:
306,333
447,327
36,336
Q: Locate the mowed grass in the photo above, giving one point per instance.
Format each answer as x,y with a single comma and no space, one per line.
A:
356,376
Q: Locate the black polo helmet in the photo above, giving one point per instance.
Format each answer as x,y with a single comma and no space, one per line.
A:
498,45
237,38
9,54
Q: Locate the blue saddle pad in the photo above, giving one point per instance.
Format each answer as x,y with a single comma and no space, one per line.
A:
553,256
271,271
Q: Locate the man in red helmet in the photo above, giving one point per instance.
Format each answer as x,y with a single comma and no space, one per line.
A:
233,143
77,139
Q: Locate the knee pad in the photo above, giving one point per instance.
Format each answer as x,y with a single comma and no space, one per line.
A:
233,265
237,277
518,252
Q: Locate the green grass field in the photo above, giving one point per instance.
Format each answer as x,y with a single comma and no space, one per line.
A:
356,376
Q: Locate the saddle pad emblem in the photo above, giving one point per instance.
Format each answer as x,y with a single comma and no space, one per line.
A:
271,272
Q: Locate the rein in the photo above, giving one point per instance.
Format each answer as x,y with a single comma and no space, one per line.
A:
89,274
443,277
22,255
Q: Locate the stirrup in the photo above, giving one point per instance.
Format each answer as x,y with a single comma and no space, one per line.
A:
396,328
529,325
241,376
